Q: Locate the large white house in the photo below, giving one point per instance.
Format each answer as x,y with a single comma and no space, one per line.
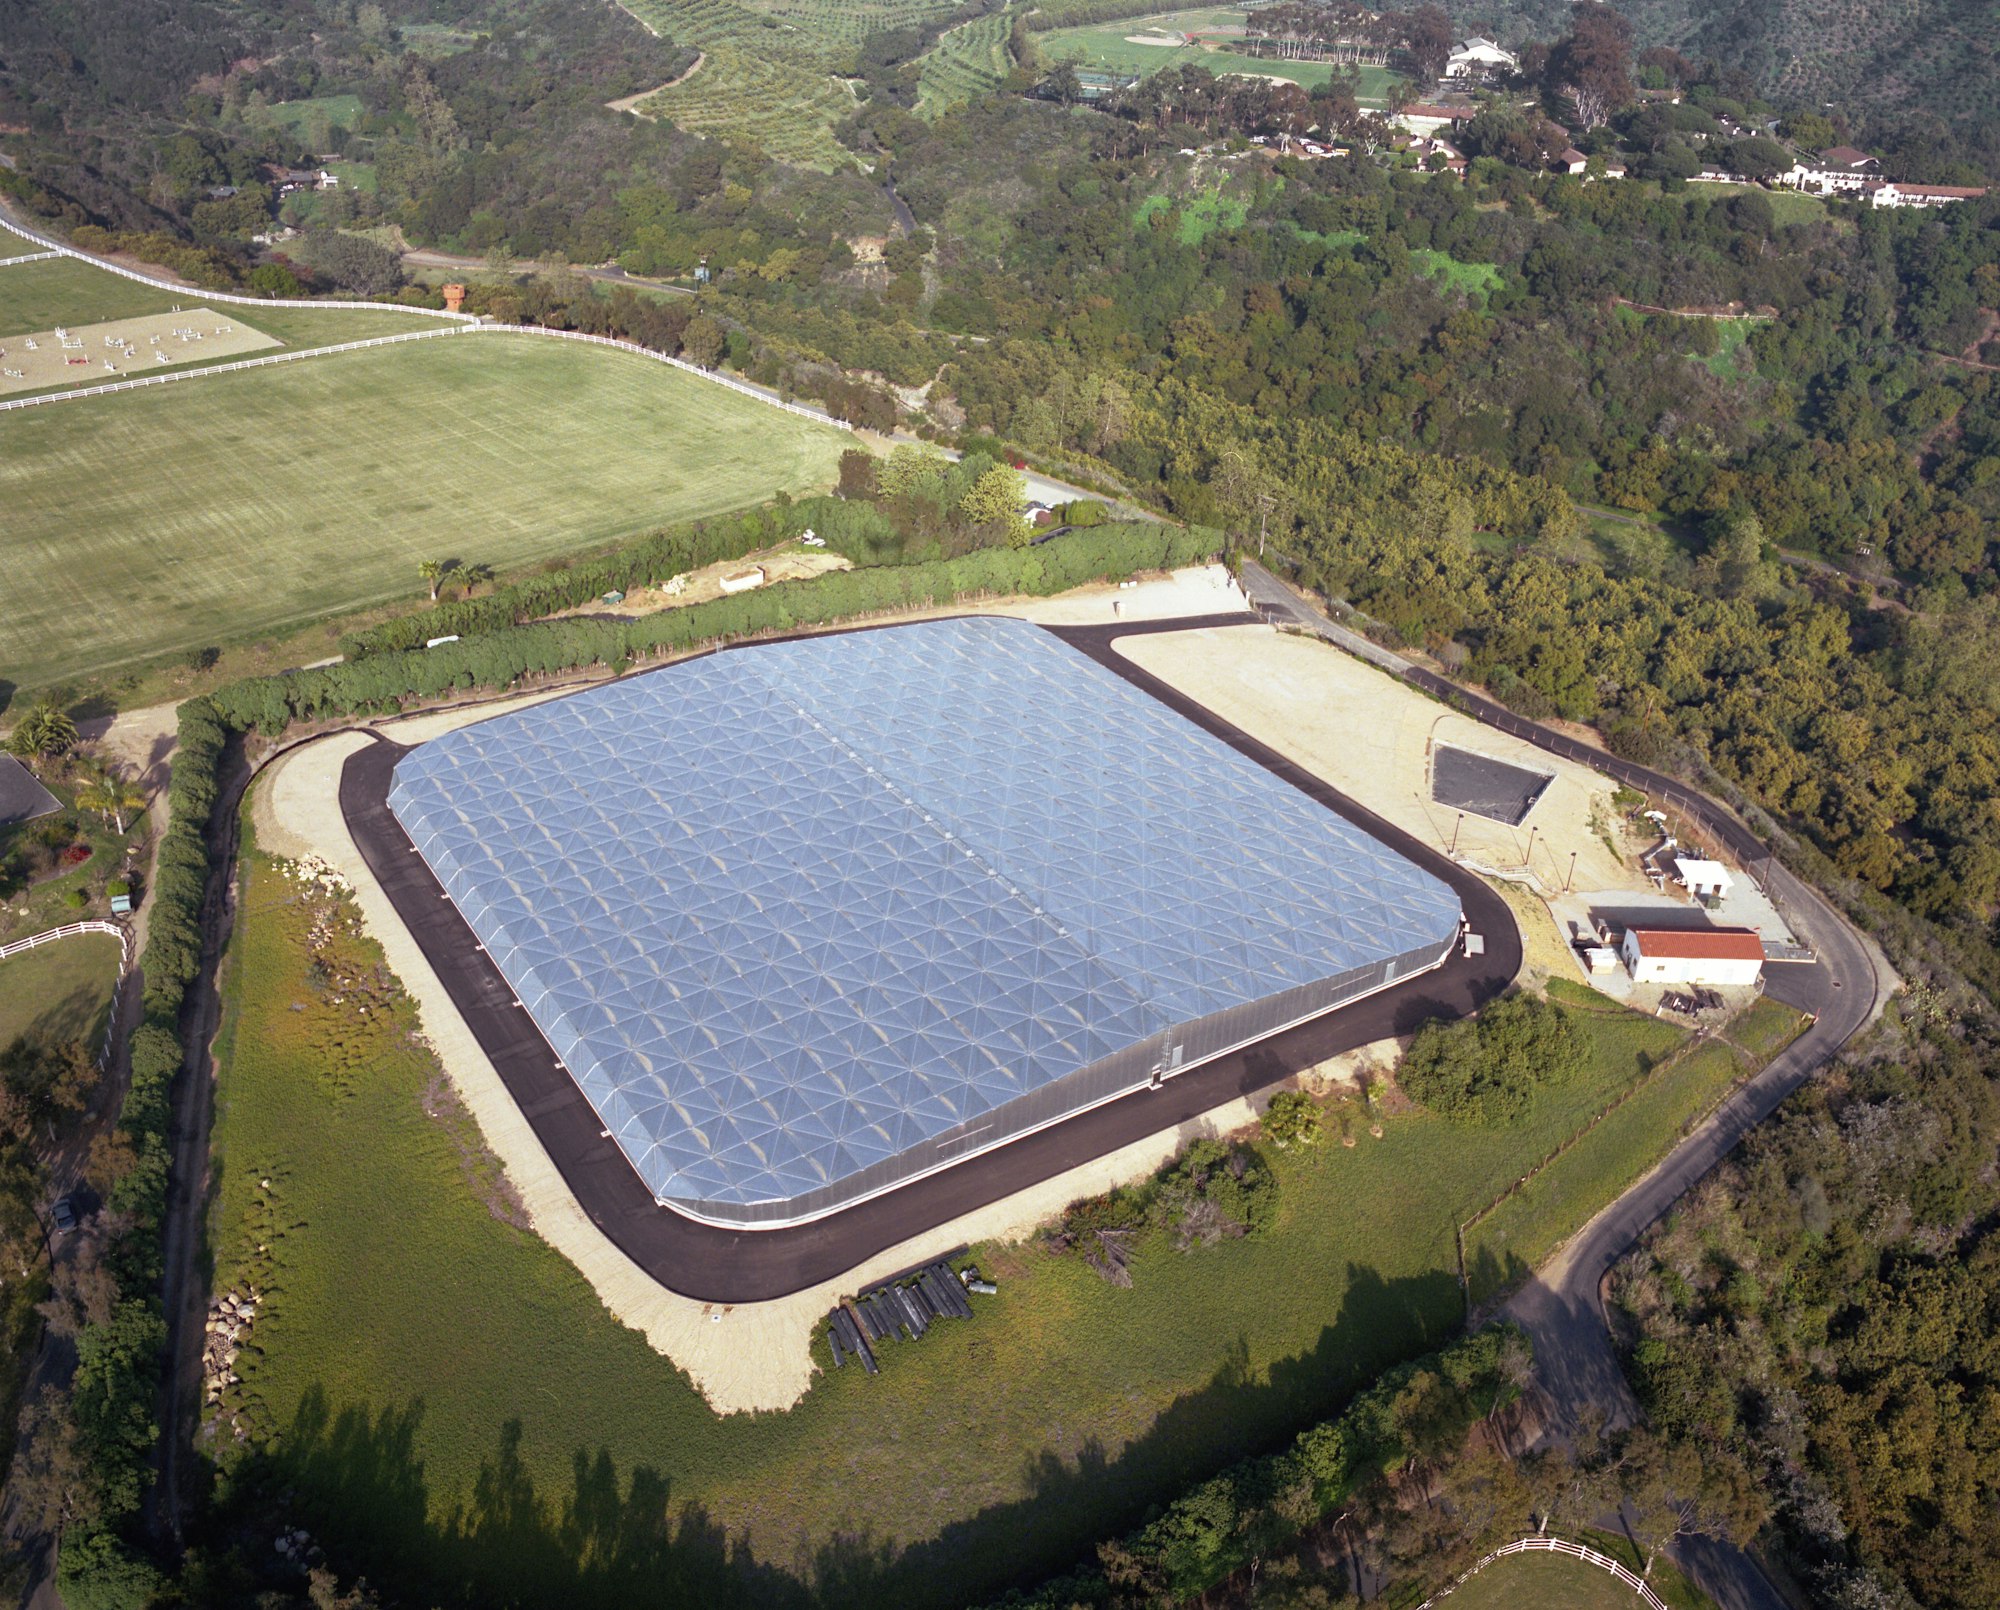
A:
1479,58
1842,170
1720,956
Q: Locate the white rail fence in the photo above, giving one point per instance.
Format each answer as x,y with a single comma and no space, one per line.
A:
1556,1545
460,324
173,375
28,257
741,388
96,925
195,293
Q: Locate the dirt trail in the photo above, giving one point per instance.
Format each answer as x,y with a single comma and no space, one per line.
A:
630,103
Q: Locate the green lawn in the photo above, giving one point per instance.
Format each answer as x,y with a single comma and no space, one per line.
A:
461,1416
162,520
1108,45
61,990
342,111
1545,1582
1524,1229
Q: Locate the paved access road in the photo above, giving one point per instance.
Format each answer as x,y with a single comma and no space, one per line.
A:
715,1264
1561,1308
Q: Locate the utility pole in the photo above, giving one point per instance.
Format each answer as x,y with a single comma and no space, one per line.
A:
1264,502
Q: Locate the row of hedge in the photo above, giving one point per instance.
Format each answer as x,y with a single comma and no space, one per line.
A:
1262,1503
383,682
651,559
118,1376
115,1392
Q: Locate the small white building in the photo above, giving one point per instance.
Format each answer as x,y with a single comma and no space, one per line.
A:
1479,58
1719,956
1705,880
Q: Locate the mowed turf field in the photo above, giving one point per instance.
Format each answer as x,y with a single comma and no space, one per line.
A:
190,515
1110,47
457,1411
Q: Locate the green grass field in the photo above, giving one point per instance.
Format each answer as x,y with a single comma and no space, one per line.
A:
1108,45
167,519
60,991
451,1398
1545,1582
341,112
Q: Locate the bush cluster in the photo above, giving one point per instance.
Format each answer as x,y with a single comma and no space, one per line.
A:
1487,1067
117,1383
1260,1503
381,682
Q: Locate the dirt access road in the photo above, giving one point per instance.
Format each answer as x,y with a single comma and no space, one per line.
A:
1561,1308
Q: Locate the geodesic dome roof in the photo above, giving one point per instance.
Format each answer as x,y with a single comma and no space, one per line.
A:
792,910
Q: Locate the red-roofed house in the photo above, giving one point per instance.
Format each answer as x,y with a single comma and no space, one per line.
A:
1694,955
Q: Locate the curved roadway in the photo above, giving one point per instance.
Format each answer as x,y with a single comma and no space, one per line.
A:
716,1264
1561,1308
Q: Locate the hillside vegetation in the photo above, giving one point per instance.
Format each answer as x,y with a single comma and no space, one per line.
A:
1898,63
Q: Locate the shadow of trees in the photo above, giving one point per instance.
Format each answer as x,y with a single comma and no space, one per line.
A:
609,1537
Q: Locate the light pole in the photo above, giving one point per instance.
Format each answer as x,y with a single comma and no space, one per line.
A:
1572,872
1531,846
1455,826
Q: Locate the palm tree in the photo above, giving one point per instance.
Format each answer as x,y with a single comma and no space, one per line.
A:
432,571
122,798
473,575
43,733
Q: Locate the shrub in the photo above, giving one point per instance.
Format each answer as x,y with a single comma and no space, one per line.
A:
75,899
1292,1119
1487,1067
1217,1191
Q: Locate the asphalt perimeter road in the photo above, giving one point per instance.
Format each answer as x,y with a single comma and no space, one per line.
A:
714,1264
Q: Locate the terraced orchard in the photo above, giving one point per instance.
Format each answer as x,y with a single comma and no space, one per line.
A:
771,69
966,62
784,109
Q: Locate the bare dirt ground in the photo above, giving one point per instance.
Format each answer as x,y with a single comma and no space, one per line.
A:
140,742
1372,737
123,348
790,563
630,103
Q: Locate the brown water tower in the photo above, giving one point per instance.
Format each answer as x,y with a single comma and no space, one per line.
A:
454,298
